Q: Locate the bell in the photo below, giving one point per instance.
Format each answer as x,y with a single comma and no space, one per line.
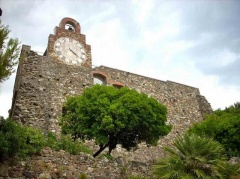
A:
70,28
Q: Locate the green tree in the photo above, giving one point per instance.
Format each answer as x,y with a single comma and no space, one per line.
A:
114,116
9,52
194,157
223,126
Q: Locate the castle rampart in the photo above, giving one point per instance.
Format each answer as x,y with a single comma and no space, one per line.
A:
43,83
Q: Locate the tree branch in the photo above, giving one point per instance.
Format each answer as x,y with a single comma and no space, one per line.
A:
102,147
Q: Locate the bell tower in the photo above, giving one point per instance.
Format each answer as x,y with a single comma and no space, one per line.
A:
68,45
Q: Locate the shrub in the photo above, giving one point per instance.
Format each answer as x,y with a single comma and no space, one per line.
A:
17,140
223,126
73,147
52,141
21,141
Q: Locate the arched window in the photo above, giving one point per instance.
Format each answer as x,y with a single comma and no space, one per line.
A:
70,26
99,79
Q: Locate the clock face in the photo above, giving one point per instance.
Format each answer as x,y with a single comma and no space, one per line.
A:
70,51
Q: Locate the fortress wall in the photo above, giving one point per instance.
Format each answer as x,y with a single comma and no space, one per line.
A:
27,105
184,103
42,85
43,88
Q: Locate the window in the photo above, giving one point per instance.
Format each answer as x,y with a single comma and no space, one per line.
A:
99,79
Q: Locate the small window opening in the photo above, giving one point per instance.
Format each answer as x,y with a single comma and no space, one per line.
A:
70,27
99,79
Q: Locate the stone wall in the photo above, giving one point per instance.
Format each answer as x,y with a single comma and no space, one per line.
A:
50,164
184,103
42,85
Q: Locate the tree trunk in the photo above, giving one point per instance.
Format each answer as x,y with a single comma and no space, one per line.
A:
100,150
112,145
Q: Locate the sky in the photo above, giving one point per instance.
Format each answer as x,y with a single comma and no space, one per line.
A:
193,42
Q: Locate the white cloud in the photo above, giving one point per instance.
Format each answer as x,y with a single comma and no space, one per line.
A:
6,91
142,10
108,48
219,96
224,58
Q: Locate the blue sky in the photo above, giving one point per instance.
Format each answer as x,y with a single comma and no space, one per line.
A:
191,42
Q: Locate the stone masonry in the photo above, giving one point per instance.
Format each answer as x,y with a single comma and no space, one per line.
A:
43,83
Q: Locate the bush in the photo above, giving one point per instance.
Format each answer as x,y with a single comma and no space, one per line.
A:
52,141
17,140
66,143
35,140
223,126
22,141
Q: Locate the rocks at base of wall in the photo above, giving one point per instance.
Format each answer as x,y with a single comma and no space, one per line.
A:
60,164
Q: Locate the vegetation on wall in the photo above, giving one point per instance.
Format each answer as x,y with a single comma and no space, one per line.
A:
9,52
114,116
66,143
224,127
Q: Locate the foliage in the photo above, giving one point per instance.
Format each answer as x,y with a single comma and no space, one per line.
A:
114,116
107,156
67,144
123,170
223,126
194,157
17,140
23,141
9,52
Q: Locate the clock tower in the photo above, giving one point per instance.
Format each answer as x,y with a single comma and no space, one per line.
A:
44,81
68,45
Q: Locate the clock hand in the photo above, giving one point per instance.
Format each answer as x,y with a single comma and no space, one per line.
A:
73,52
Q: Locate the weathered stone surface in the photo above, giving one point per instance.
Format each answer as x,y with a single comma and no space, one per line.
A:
93,167
43,83
45,176
54,166
29,174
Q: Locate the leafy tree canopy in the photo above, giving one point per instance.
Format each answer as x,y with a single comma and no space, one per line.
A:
9,52
223,126
114,116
